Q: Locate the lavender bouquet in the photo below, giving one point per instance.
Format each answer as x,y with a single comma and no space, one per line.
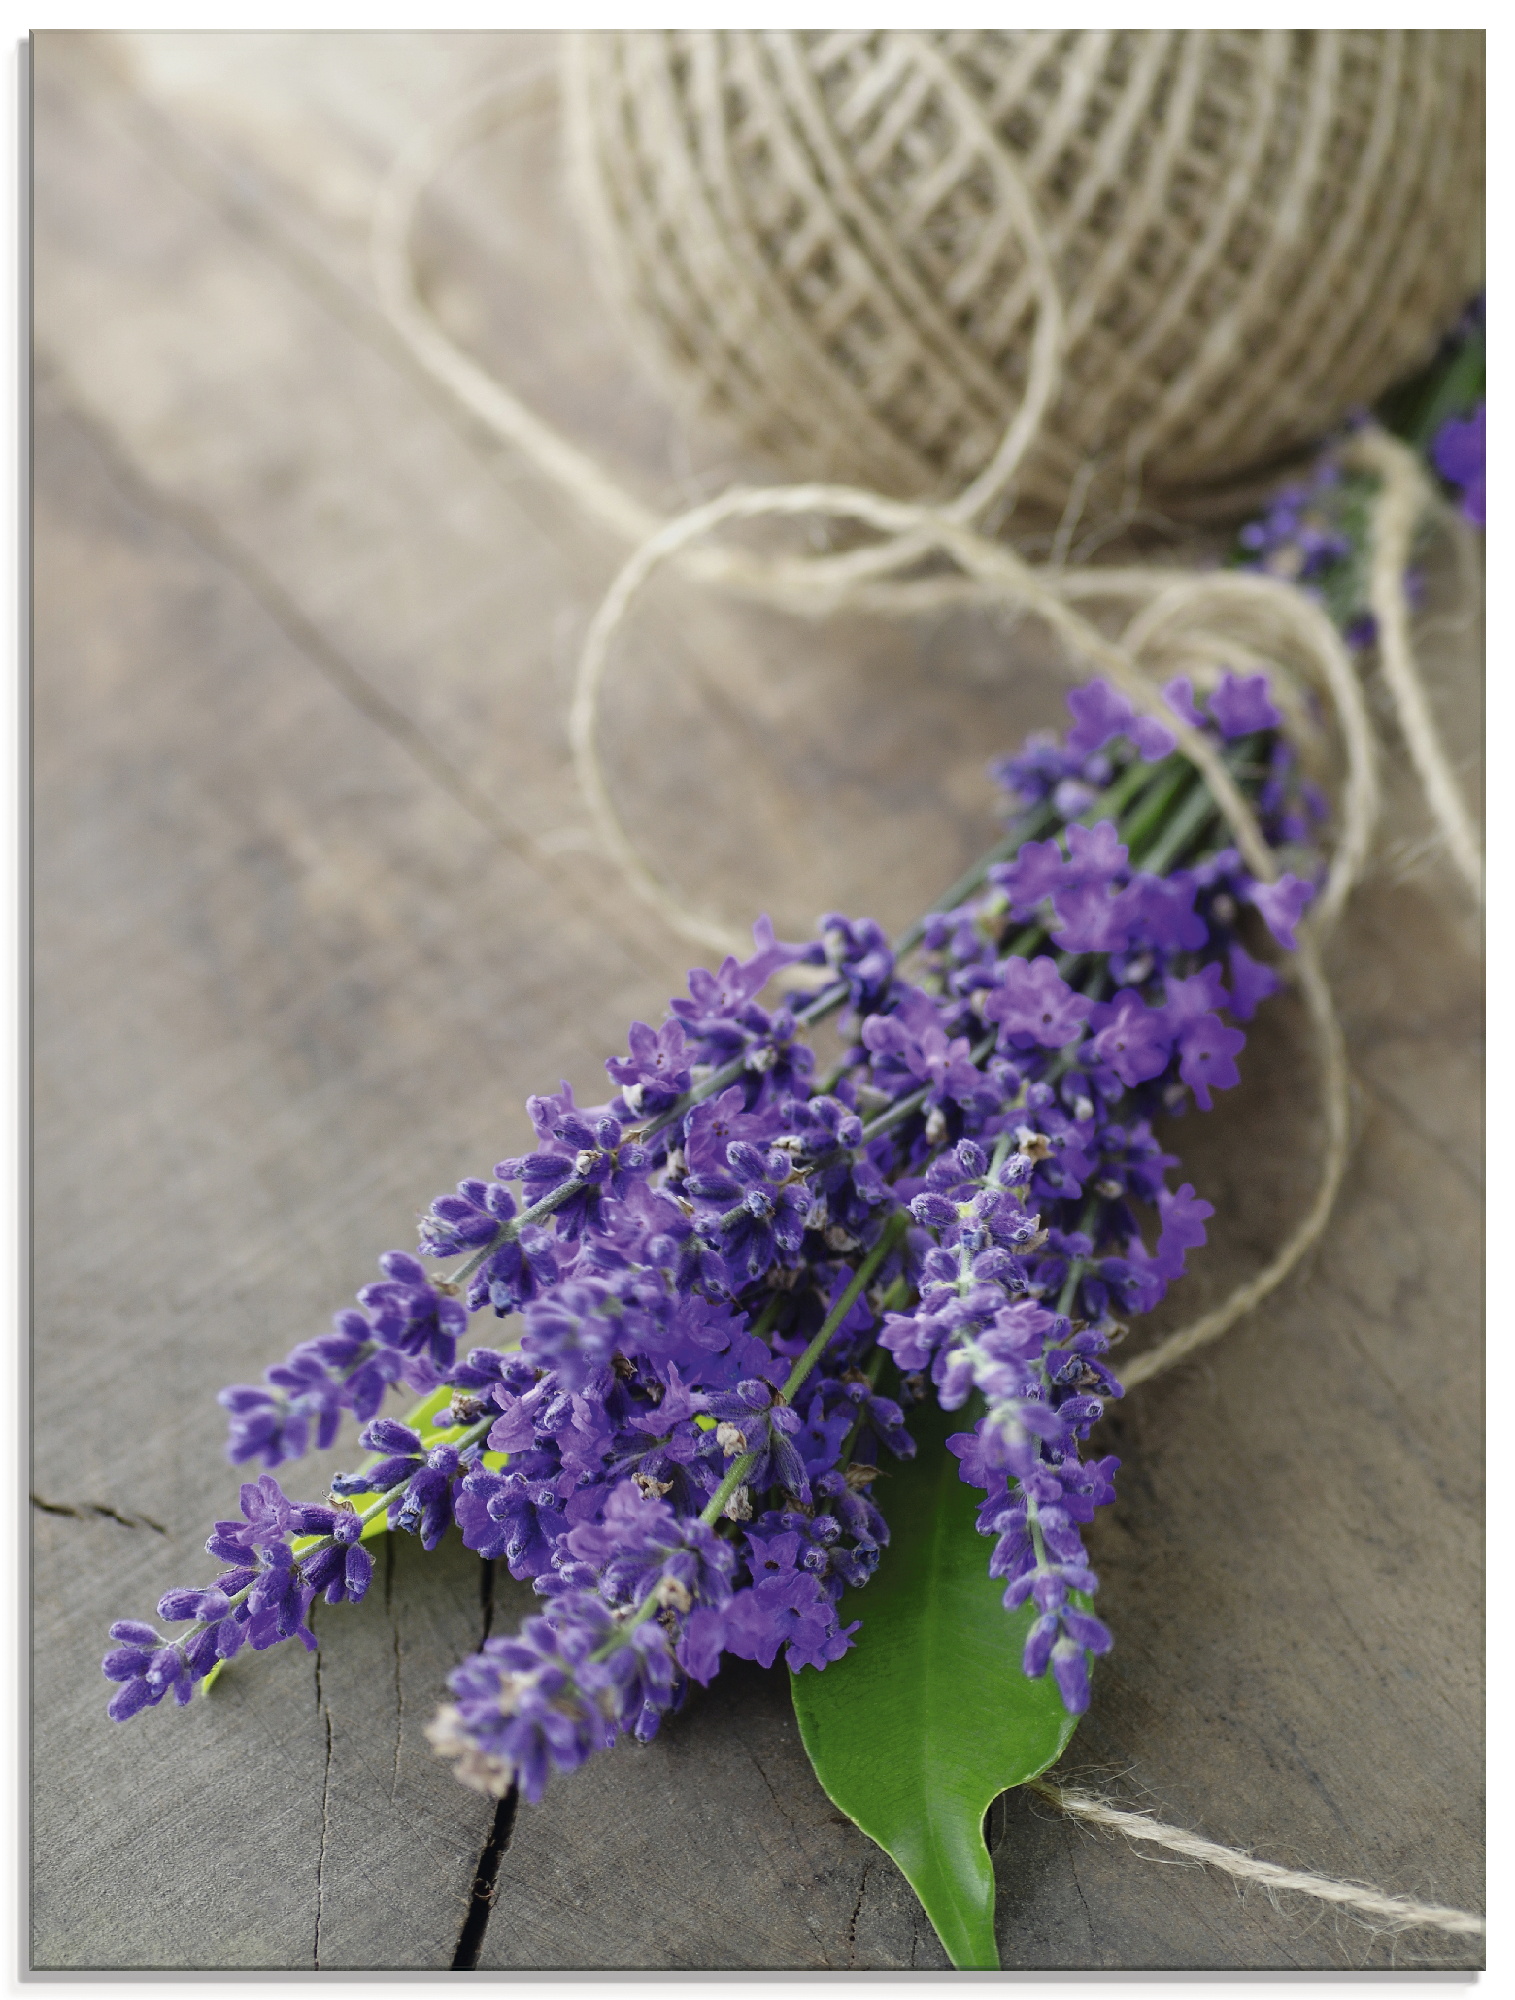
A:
803,1362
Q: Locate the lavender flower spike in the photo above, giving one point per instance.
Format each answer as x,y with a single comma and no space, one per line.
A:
727,1287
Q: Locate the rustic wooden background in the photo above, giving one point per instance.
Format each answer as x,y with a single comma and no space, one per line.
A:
316,907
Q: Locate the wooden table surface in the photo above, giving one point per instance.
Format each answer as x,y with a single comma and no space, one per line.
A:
316,907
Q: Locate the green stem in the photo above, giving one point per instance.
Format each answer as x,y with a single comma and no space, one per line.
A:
1131,784
1177,772
737,1475
823,1004
1034,823
1173,838
1133,780
1192,816
1079,1264
894,1229
375,1506
1021,945
1033,1523
762,1326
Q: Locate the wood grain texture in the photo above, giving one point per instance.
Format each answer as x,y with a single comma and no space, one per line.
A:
317,908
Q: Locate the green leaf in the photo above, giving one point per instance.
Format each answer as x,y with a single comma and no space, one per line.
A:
929,1717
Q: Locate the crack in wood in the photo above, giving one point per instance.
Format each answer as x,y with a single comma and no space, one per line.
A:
485,1879
96,1509
786,1817
394,1790
486,1596
857,1911
486,1874
325,1714
1078,1888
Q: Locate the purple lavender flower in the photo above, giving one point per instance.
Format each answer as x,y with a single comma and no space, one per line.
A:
1036,873
519,1712
712,1269
1282,904
1207,1056
1035,1006
267,1519
910,1048
1457,452
657,1069
463,1221
753,1212
641,1546
406,1313
1179,695
1135,1040
710,1127
1034,773
1301,536
1241,705
517,1515
1183,1228
861,953
1101,712
1251,982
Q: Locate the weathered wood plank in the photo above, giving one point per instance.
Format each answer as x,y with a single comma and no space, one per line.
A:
1293,1571
765,763
312,922
711,1846
259,933
398,1854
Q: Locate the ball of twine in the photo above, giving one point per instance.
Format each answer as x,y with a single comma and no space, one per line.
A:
1170,258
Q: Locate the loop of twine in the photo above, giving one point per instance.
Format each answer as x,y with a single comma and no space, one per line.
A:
1175,621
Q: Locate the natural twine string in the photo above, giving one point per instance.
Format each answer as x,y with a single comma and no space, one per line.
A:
1401,1912
820,237
1404,498
1175,621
